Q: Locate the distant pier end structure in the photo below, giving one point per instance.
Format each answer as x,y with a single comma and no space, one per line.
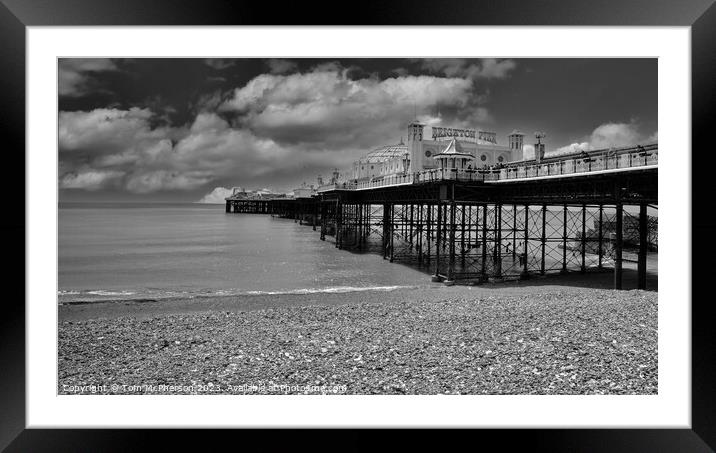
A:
461,206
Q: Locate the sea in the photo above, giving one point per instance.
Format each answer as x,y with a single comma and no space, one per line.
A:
153,251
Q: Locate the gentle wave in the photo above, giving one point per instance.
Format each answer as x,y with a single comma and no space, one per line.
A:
332,289
70,297
102,292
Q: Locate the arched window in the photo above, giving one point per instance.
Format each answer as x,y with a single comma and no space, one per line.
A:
483,158
500,159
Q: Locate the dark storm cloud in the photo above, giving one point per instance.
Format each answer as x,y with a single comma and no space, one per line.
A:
78,76
182,127
488,68
219,63
280,66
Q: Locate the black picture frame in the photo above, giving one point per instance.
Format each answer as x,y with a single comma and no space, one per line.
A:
16,15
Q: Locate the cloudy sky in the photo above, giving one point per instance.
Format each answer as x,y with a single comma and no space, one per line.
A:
180,129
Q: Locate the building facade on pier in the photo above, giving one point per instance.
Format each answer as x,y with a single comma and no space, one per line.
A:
420,151
240,193
482,145
304,191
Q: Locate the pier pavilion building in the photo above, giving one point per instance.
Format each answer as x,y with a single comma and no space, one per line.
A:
424,144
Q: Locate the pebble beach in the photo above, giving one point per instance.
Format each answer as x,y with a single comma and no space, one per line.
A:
544,339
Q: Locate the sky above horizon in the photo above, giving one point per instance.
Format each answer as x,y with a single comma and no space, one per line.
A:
190,129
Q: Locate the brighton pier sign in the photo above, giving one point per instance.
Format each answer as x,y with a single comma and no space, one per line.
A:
453,132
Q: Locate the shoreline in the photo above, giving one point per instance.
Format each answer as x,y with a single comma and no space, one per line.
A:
147,308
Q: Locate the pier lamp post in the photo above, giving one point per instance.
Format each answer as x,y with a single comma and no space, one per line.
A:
406,163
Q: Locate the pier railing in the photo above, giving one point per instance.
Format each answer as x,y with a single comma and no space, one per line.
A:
602,160
337,186
590,162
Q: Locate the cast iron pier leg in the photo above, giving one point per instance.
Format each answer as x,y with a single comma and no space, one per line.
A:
525,269
601,234
410,228
484,242
315,216
564,240
437,243
544,238
618,248
498,240
339,224
641,270
386,229
514,232
392,233
362,231
584,238
420,228
462,238
451,245
323,220
428,231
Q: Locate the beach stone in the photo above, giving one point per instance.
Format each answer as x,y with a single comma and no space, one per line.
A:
547,341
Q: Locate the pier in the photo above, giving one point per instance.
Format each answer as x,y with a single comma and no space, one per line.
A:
573,213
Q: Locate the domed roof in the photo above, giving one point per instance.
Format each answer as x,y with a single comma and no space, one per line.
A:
385,153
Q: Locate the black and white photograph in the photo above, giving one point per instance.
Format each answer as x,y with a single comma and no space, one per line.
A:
440,217
357,226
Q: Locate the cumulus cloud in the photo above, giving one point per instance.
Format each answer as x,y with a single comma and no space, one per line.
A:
107,131
326,108
609,135
528,151
284,126
89,179
112,147
615,134
75,75
571,148
216,196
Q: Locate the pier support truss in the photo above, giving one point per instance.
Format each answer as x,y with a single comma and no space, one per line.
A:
480,233
488,242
